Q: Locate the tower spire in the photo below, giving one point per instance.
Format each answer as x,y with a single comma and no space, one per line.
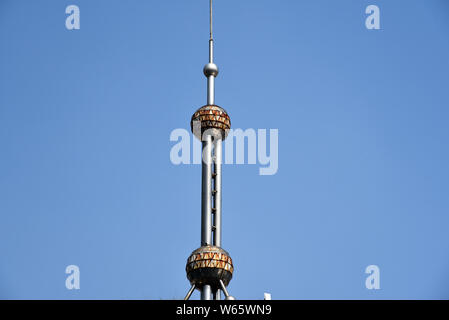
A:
209,268
210,21
211,70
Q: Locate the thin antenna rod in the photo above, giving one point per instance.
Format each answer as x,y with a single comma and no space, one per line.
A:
210,19
211,37
210,70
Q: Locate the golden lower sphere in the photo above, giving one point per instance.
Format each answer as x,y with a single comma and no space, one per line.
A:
208,265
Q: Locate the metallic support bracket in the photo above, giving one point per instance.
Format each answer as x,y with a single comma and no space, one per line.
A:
225,291
187,297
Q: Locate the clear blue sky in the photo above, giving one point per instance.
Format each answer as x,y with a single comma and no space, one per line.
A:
85,174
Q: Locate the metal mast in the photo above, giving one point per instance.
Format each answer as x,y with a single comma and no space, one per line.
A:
209,268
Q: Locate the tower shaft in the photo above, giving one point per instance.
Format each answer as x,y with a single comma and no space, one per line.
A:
211,191
216,193
211,179
209,268
211,200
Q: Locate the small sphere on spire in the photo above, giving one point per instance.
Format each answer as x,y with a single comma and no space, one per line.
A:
210,69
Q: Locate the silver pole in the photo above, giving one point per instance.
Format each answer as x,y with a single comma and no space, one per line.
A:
211,78
206,206
206,192
217,294
211,50
206,292
210,90
217,193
